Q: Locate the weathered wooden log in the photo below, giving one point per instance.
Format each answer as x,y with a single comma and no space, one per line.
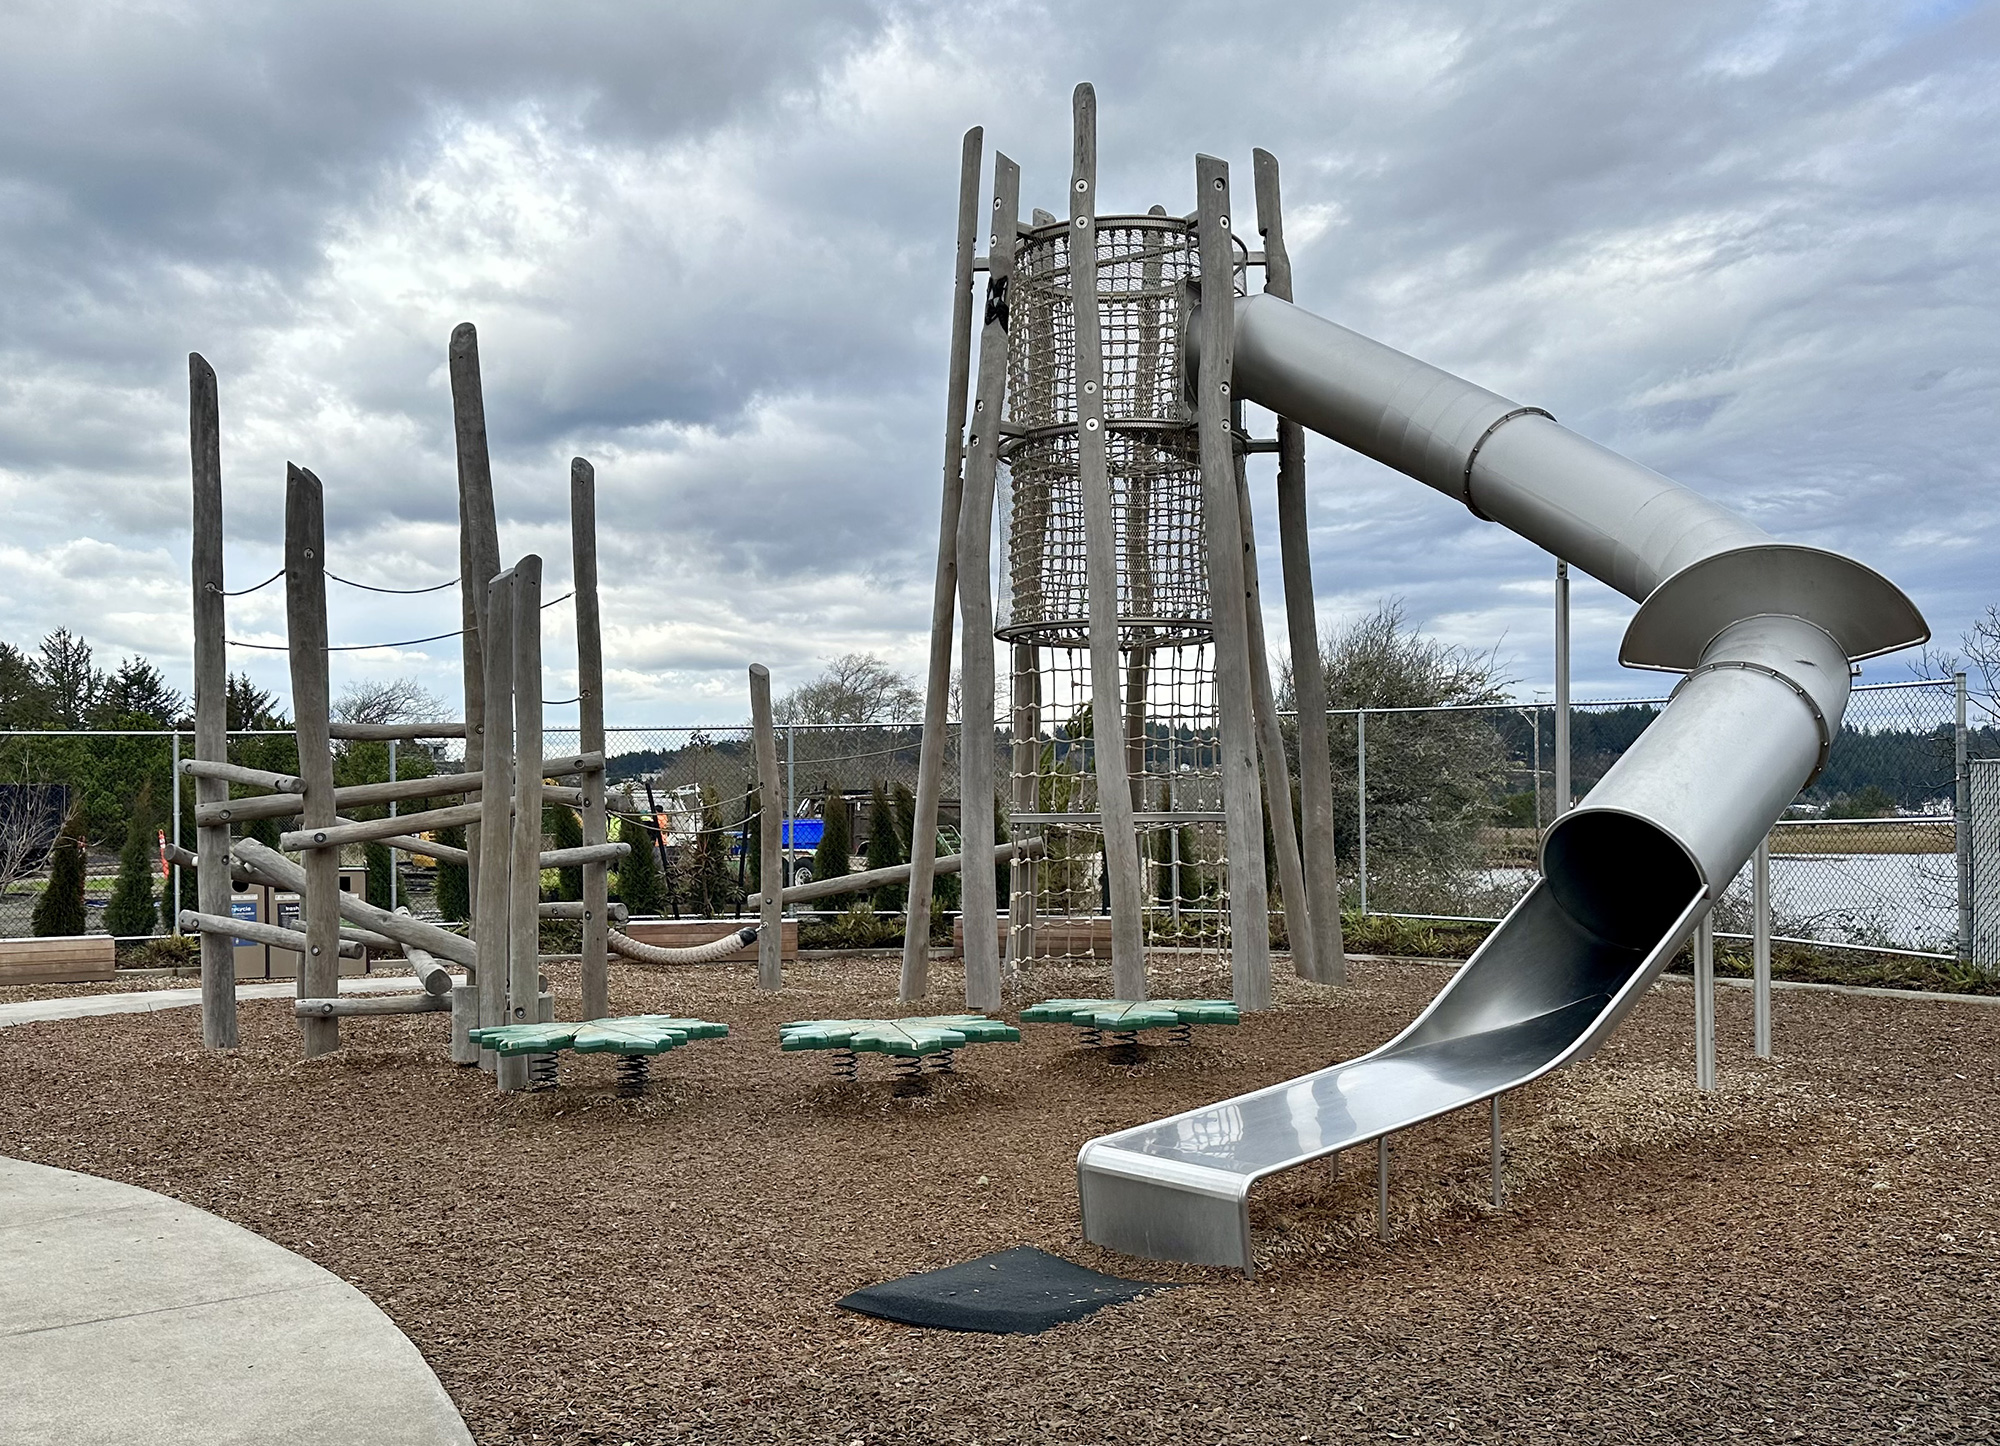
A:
305,624
524,932
195,919
404,790
495,854
596,979
335,835
603,853
362,1005
249,777
557,793
435,978
211,688
464,1019
770,848
400,927
1006,853
399,732
609,912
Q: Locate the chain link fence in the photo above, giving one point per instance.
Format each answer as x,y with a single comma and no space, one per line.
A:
1438,811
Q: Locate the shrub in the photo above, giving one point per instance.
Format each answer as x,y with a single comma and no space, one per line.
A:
564,826
832,859
132,912
381,868
454,888
884,850
641,888
60,909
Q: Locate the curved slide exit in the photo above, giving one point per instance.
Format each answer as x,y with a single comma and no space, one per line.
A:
1765,633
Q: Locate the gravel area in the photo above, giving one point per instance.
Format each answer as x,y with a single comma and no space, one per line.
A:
1808,1254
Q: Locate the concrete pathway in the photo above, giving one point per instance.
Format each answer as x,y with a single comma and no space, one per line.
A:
130,1318
146,1001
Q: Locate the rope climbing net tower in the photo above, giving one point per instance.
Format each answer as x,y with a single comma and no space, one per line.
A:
1164,718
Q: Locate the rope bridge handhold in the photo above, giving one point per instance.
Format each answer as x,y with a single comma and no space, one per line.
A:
709,953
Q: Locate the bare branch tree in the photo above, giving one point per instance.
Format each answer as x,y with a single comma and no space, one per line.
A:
387,700
857,688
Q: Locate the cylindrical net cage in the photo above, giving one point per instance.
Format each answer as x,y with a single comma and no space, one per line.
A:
1059,904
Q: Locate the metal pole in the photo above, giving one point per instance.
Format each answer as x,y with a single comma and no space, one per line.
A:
1361,800
174,875
1535,724
1249,905
1322,873
1704,1003
770,848
395,867
1760,945
944,590
1499,1194
1562,688
1962,821
211,705
977,905
1382,1189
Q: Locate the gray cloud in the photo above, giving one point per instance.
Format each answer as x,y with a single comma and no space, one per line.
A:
709,248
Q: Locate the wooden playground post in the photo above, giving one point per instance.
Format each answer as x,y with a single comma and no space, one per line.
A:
478,554
1100,556
937,683
1249,904
305,623
211,703
524,921
1026,725
978,906
770,844
1322,876
590,735
490,908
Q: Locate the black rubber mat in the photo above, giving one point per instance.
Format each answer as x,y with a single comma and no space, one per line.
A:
1022,1291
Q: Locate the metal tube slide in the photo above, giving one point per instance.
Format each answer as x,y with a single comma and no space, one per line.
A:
1765,632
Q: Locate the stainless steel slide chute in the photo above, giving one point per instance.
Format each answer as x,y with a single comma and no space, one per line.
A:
1765,632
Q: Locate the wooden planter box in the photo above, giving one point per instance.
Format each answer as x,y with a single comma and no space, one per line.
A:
683,933
61,959
1058,938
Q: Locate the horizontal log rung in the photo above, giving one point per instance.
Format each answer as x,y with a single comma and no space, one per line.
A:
362,1005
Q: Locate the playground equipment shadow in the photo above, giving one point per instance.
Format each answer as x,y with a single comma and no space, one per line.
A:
1808,1254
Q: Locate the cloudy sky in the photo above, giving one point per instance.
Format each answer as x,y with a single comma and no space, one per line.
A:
708,246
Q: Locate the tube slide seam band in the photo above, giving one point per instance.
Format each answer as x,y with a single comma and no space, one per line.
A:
1819,718
1465,485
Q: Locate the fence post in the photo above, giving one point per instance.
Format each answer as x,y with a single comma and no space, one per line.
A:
1562,689
395,855
1962,823
174,876
1361,800
1704,1003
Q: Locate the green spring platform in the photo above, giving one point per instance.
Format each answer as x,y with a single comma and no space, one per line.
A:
909,1042
1123,1019
634,1038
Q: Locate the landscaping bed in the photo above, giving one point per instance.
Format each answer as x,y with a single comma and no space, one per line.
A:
1808,1254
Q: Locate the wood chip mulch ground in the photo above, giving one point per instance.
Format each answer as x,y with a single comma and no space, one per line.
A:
1809,1254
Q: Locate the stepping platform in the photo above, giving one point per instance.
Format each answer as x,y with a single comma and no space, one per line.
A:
635,1038
1023,1291
1123,1019
909,1042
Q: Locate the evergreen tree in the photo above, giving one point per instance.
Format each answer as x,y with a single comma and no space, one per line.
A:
60,908
885,850
751,840
381,864
833,858
132,912
72,683
564,826
906,819
705,865
640,885
454,889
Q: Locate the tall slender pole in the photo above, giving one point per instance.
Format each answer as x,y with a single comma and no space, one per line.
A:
791,820
1962,820
211,704
770,846
478,557
305,624
1322,872
1760,946
1361,801
1249,906
1382,1188
1026,725
1704,1003
1562,688
1499,1195
1100,565
493,900
174,874
590,735
524,922
1299,923
944,589
979,908
395,867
